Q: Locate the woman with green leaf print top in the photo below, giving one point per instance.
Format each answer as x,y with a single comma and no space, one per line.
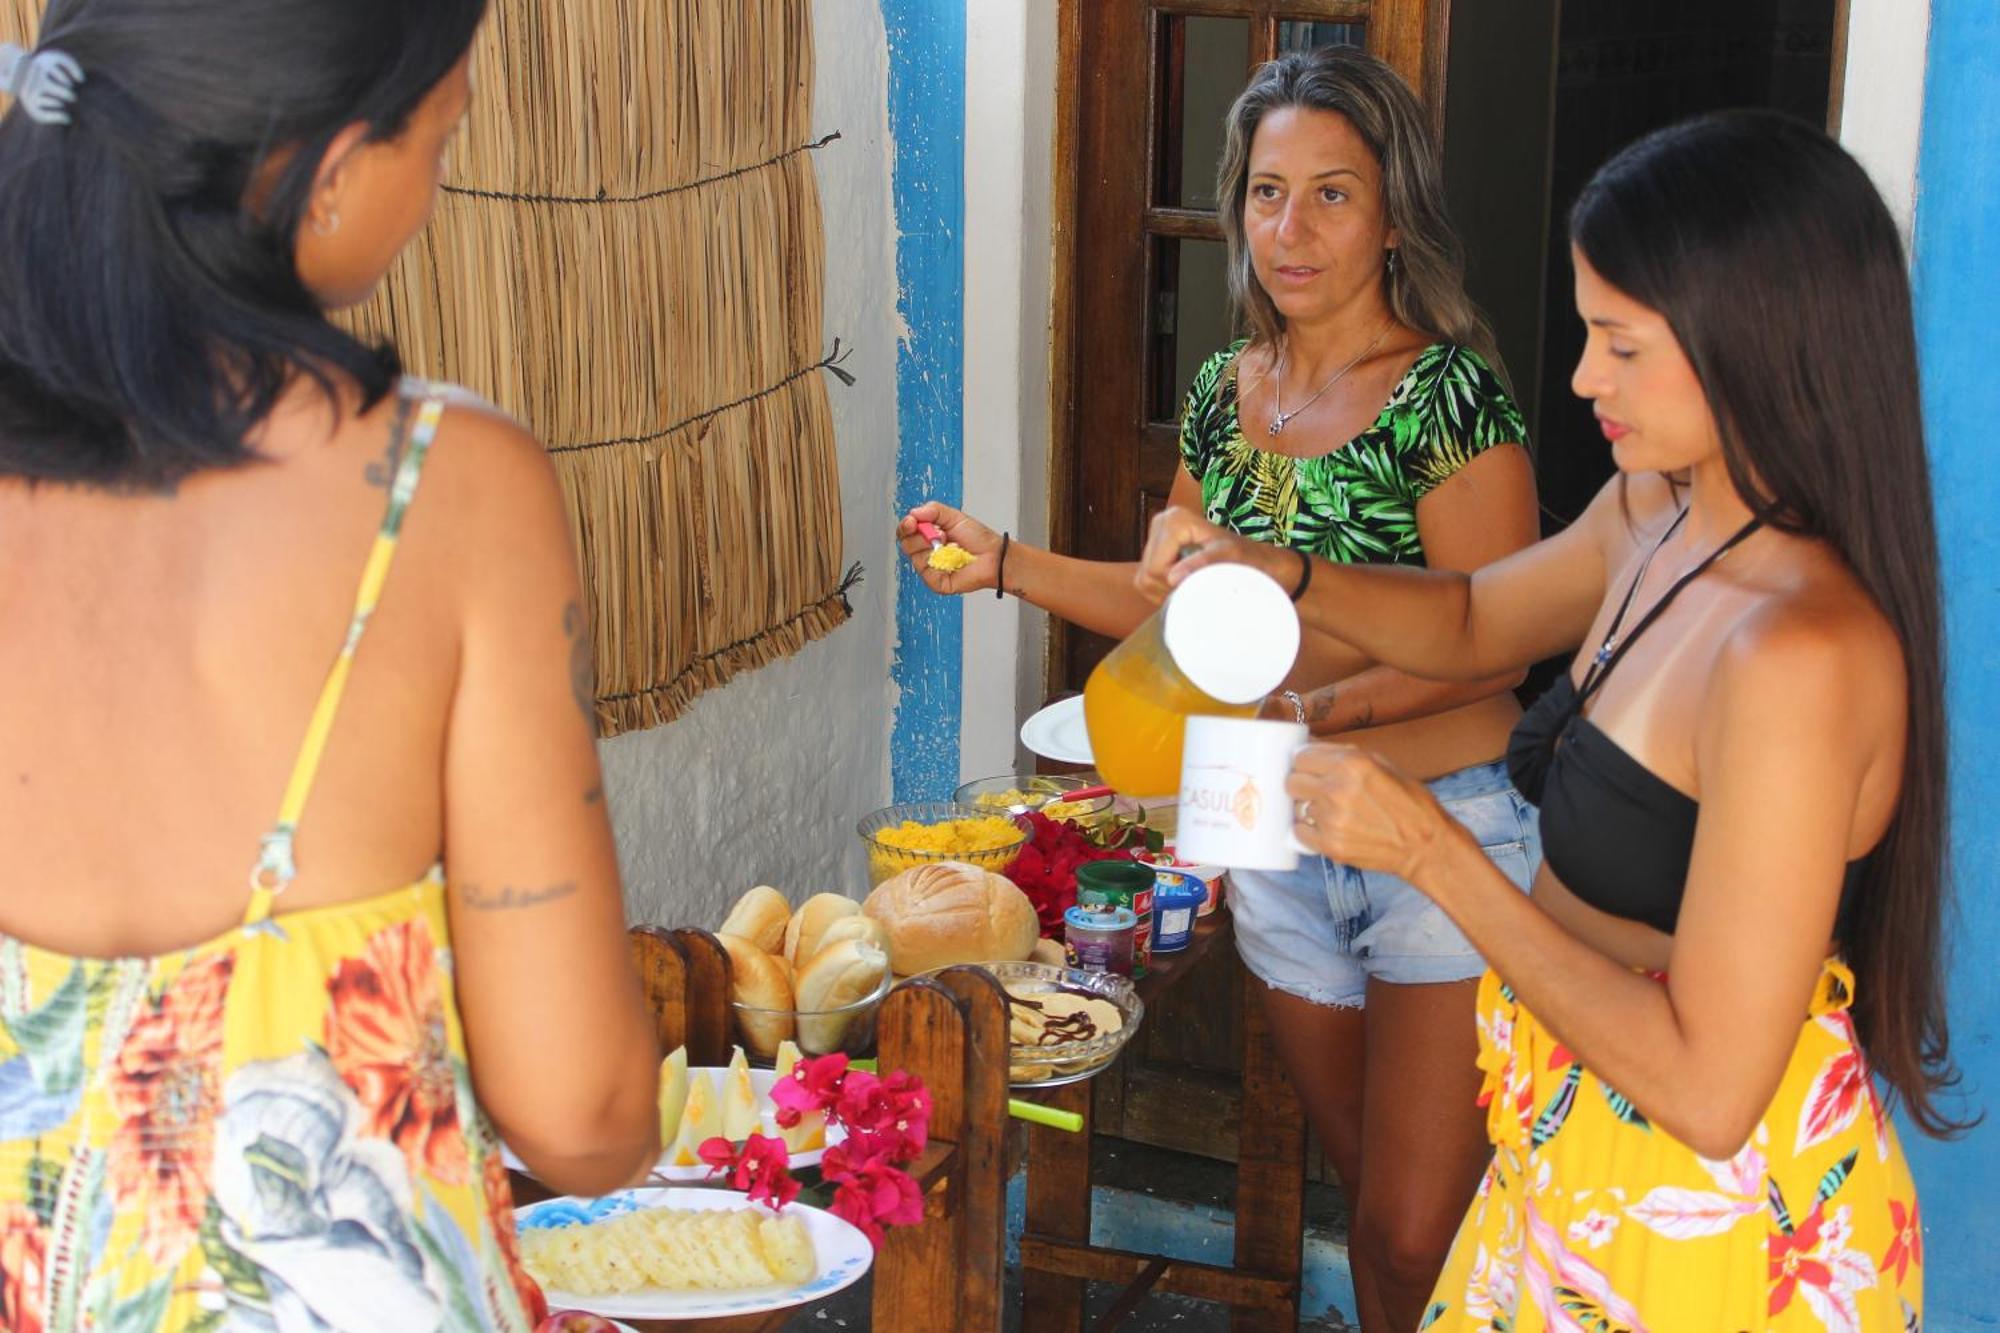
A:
1356,422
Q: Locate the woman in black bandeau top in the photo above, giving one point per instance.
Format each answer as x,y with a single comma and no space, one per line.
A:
1742,777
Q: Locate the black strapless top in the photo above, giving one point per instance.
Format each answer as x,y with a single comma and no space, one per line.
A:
1617,835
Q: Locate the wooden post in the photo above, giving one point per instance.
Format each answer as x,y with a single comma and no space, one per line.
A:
918,1278
982,1145
710,1030
1059,1208
1270,1170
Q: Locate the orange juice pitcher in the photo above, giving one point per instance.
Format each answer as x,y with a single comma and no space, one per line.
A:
1224,640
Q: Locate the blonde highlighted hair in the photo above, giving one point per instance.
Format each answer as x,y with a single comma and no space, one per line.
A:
1426,286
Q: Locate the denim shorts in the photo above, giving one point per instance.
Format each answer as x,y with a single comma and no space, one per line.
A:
1320,931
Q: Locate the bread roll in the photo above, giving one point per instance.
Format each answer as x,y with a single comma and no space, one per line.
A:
1050,952
946,912
802,935
864,929
759,916
759,980
839,975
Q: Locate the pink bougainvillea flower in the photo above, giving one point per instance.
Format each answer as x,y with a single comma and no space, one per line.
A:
813,1085
760,1167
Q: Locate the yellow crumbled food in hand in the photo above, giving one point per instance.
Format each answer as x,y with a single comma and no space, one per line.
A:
988,842
950,558
680,1250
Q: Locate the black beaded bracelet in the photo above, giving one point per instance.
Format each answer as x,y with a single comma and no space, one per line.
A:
1305,575
1000,570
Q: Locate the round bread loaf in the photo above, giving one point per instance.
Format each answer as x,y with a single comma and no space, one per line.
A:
764,982
945,912
809,923
759,916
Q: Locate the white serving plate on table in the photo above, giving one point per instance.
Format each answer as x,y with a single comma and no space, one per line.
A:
1058,732
841,1254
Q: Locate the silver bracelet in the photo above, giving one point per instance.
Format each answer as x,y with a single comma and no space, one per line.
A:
1298,704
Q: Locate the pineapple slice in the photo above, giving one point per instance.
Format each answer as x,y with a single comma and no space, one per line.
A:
809,1135
739,1100
673,1095
700,1122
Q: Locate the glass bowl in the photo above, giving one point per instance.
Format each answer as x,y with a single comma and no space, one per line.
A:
1037,791
885,860
1053,1066
850,1028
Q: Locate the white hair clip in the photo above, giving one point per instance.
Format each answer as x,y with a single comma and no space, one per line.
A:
43,82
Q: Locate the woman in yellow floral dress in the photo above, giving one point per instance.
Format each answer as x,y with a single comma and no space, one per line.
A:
1741,781
278,1105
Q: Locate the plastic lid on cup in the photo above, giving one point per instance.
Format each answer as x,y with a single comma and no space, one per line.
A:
1233,632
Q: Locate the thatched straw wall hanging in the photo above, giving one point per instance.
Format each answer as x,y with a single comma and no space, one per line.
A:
628,255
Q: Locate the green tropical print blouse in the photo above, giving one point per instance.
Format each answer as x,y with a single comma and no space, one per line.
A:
1357,504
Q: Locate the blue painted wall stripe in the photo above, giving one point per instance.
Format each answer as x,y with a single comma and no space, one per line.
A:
927,128
1957,243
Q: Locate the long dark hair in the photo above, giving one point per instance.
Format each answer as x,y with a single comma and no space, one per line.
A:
1773,259
149,318
1426,289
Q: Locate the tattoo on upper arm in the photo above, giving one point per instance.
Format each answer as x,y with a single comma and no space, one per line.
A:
510,899
582,673
382,472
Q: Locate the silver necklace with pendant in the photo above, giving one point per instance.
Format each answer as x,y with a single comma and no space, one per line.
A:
1280,418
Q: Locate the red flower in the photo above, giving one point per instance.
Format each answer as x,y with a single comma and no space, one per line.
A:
500,1209
872,1194
1790,1262
24,1255
166,1092
761,1167
813,1085
1046,868
386,1035
891,1121
1908,1246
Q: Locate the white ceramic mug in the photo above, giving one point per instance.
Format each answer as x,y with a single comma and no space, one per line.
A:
1233,808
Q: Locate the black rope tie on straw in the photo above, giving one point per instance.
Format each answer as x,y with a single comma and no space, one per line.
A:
829,363
603,197
841,589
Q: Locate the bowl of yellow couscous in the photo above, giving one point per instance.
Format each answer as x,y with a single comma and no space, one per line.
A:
916,833
1045,792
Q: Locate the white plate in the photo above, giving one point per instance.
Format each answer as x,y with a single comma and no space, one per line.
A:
841,1254
767,1124
1058,732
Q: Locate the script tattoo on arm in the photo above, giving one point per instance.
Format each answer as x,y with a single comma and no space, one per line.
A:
382,472
507,898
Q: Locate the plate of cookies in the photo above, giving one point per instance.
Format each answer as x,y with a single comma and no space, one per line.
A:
681,1253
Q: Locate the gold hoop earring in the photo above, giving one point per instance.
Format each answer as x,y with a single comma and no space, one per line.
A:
332,225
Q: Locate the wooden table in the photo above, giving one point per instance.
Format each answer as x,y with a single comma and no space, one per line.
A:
1263,1286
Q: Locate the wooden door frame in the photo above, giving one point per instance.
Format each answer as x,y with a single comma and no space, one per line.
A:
1432,37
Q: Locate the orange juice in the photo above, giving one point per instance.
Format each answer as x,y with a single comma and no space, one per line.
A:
1136,706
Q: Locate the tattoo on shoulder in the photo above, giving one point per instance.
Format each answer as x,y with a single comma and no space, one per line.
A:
382,472
507,898
582,672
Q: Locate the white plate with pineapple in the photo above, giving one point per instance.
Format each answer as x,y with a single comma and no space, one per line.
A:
733,1102
686,1253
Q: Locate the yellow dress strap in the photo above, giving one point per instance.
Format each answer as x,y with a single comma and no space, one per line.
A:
276,867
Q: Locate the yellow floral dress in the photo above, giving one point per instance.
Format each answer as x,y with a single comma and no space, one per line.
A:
1592,1220
271,1130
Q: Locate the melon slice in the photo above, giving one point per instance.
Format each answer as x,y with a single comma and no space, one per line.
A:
700,1122
739,1100
809,1135
673,1095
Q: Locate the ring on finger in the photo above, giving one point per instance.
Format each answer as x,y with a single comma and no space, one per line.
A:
1302,812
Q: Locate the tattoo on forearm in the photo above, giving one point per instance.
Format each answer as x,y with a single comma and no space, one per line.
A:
582,674
510,899
594,796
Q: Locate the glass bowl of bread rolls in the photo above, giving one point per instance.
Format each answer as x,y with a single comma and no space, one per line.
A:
814,975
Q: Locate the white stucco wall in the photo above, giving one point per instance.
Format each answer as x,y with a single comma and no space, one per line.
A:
1010,90
761,781
1882,98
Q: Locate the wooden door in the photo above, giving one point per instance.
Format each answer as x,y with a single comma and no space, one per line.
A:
1148,83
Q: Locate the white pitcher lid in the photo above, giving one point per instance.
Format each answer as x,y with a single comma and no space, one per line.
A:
1233,632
